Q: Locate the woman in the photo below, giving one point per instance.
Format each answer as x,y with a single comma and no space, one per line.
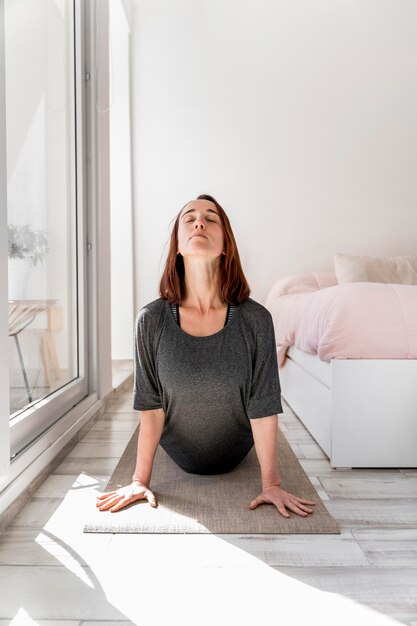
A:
206,373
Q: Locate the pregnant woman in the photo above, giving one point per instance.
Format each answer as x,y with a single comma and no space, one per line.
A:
206,372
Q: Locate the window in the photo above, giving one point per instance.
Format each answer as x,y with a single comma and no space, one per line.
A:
47,336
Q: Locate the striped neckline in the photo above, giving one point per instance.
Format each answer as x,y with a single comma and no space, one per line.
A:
231,308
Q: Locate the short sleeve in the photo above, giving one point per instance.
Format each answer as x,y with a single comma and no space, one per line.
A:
265,396
146,395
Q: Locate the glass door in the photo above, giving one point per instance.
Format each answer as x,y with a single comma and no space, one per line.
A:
45,216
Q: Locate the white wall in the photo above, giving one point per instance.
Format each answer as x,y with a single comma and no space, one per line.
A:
298,116
120,185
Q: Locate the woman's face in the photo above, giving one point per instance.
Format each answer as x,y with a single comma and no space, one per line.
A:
200,217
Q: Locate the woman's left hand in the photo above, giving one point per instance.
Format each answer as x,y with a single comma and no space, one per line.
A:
283,501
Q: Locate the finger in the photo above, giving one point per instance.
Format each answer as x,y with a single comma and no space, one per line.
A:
127,500
293,497
105,495
256,502
110,502
304,508
279,503
294,507
300,501
124,502
304,501
100,503
107,499
151,498
281,508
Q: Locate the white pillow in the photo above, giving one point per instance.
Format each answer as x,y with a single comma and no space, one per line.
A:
392,270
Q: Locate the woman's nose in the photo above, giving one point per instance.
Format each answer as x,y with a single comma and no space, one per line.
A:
199,223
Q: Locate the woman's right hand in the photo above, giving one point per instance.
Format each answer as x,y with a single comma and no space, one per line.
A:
116,500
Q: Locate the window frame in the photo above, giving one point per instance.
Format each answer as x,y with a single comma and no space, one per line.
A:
4,365
25,427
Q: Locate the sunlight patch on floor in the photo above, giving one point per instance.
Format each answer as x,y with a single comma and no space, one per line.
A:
22,619
63,556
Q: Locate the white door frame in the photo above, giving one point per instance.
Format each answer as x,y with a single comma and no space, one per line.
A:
93,226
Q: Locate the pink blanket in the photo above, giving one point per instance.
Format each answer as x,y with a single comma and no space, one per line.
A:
347,321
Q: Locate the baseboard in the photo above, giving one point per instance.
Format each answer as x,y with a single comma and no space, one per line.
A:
123,387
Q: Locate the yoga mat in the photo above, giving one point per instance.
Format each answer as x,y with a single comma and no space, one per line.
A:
193,503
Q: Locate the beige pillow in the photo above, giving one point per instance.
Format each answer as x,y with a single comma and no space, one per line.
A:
394,269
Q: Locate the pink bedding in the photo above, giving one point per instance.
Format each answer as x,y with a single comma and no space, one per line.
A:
347,321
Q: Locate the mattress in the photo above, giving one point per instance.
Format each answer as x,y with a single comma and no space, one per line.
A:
347,321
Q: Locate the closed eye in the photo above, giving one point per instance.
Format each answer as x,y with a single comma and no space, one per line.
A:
206,220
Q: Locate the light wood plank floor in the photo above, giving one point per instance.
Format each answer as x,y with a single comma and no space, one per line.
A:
51,573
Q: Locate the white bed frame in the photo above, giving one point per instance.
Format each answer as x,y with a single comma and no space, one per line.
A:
366,418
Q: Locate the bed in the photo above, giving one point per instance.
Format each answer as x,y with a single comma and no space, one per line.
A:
347,355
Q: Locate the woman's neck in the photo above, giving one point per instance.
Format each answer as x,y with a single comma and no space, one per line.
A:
202,286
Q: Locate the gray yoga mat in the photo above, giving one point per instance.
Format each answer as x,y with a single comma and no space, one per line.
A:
218,504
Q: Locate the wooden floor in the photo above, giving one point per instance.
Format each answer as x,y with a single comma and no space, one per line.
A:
51,573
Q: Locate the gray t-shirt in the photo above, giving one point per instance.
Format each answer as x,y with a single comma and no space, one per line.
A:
209,387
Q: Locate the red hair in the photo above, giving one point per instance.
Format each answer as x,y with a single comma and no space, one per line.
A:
233,285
